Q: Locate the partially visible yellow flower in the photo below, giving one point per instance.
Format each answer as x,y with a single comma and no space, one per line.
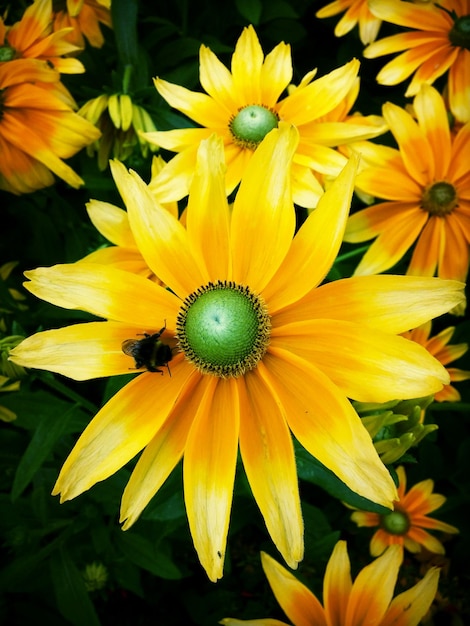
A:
426,187
437,345
121,123
84,18
243,105
406,525
32,38
356,12
37,128
368,600
257,349
439,42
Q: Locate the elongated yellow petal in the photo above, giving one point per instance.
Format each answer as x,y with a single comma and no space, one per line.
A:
268,457
264,205
315,246
326,425
173,182
105,291
247,61
276,74
337,585
217,80
209,472
409,607
297,601
81,351
112,222
422,17
163,452
120,430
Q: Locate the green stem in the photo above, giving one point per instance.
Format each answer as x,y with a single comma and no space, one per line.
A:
351,254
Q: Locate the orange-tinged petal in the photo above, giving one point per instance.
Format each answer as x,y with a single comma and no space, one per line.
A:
163,452
442,58
209,472
376,219
326,425
409,607
422,17
247,61
315,245
389,303
455,254
381,540
374,366
391,182
268,457
120,430
459,86
161,238
208,213
337,585
296,600
112,222
229,621
422,538
105,291
373,588
397,43
264,205
80,351
425,258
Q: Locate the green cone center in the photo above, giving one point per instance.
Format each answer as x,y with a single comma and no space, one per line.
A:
251,125
459,34
395,523
7,53
440,199
223,329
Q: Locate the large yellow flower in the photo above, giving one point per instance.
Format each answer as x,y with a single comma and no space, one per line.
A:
32,38
406,525
426,185
440,42
368,600
255,348
84,18
37,128
356,12
243,105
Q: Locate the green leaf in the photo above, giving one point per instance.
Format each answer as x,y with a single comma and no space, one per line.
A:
250,9
72,598
146,555
311,470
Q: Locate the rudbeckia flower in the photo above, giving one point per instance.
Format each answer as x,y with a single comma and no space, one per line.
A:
243,105
437,345
426,187
357,12
83,18
406,525
438,42
32,38
37,128
367,600
255,349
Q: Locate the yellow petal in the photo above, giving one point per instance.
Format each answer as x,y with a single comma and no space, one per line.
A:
337,584
276,74
209,472
264,205
173,182
120,430
216,79
112,222
409,607
268,457
247,61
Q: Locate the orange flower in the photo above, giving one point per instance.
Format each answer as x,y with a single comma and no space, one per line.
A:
357,12
406,524
32,38
84,17
439,43
37,129
426,185
437,346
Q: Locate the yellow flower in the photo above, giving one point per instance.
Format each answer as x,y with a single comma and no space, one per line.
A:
367,600
445,354
357,12
84,18
255,348
406,524
440,42
32,38
37,128
120,121
426,185
243,105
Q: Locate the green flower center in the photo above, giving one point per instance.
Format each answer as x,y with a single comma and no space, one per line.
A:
223,329
251,125
440,199
7,53
395,523
459,34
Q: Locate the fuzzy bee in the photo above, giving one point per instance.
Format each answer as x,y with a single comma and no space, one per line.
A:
149,352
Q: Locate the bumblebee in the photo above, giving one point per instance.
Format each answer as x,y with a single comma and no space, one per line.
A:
149,352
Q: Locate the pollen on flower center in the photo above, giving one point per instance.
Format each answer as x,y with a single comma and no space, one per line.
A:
395,523
440,199
223,328
251,124
459,34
